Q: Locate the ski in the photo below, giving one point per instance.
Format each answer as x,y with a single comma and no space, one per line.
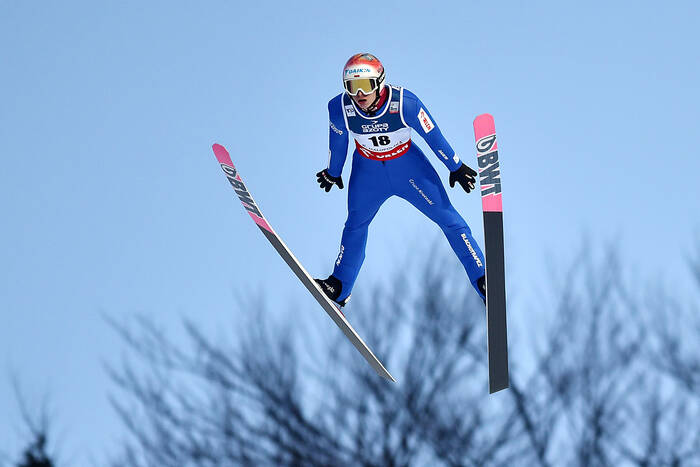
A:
333,311
490,182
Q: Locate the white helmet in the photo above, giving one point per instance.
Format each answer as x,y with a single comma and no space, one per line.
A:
364,72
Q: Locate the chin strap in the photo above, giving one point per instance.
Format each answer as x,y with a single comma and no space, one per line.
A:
372,109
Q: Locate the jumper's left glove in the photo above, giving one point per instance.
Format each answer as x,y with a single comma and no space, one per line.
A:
327,180
464,175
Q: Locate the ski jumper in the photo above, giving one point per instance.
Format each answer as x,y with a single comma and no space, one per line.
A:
386,163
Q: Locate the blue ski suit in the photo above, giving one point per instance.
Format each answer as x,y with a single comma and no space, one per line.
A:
384,164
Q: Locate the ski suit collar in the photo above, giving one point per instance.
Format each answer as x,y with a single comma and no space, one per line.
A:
381,109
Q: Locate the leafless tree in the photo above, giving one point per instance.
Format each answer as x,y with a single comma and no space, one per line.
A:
677,333
582,392
36,453
674,352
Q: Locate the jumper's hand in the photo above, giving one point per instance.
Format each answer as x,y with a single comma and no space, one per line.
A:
464,175
327,181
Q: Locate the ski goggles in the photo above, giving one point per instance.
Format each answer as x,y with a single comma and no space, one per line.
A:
366,85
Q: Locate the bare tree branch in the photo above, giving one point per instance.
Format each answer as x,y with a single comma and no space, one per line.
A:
589,397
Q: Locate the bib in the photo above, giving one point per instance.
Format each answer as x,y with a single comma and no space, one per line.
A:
384,136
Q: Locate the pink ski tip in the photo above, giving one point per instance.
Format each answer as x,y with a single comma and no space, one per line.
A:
222,154
484,126
485,118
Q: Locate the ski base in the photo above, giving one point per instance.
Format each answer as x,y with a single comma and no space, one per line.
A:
330,308
490,183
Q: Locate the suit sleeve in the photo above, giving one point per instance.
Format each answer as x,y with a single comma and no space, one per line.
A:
416,115
337,137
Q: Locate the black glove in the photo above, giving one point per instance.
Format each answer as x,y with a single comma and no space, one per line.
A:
465,176
327,181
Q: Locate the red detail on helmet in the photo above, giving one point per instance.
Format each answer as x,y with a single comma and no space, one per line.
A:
364,59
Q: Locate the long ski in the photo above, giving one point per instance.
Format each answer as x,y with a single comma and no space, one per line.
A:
490,182
336,315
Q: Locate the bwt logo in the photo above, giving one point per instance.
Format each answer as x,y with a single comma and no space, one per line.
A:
489,169
485,144
240,190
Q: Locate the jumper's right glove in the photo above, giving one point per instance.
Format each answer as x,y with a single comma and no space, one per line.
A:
464,175
327,181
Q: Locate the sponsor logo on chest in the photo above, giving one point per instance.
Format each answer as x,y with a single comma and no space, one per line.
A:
350,111
394,108
375,127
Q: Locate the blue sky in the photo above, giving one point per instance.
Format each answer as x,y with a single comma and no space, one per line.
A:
112,202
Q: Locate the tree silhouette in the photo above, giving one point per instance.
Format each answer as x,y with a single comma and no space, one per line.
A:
582,392
35,454
673,351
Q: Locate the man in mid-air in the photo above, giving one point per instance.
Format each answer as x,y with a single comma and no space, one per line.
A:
380,117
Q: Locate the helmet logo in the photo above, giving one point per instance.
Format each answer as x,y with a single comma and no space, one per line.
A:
351,71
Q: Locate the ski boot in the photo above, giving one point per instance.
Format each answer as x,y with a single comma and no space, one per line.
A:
481,283
332,287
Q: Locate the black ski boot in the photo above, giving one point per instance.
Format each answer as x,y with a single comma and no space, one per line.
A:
481,283
332,287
